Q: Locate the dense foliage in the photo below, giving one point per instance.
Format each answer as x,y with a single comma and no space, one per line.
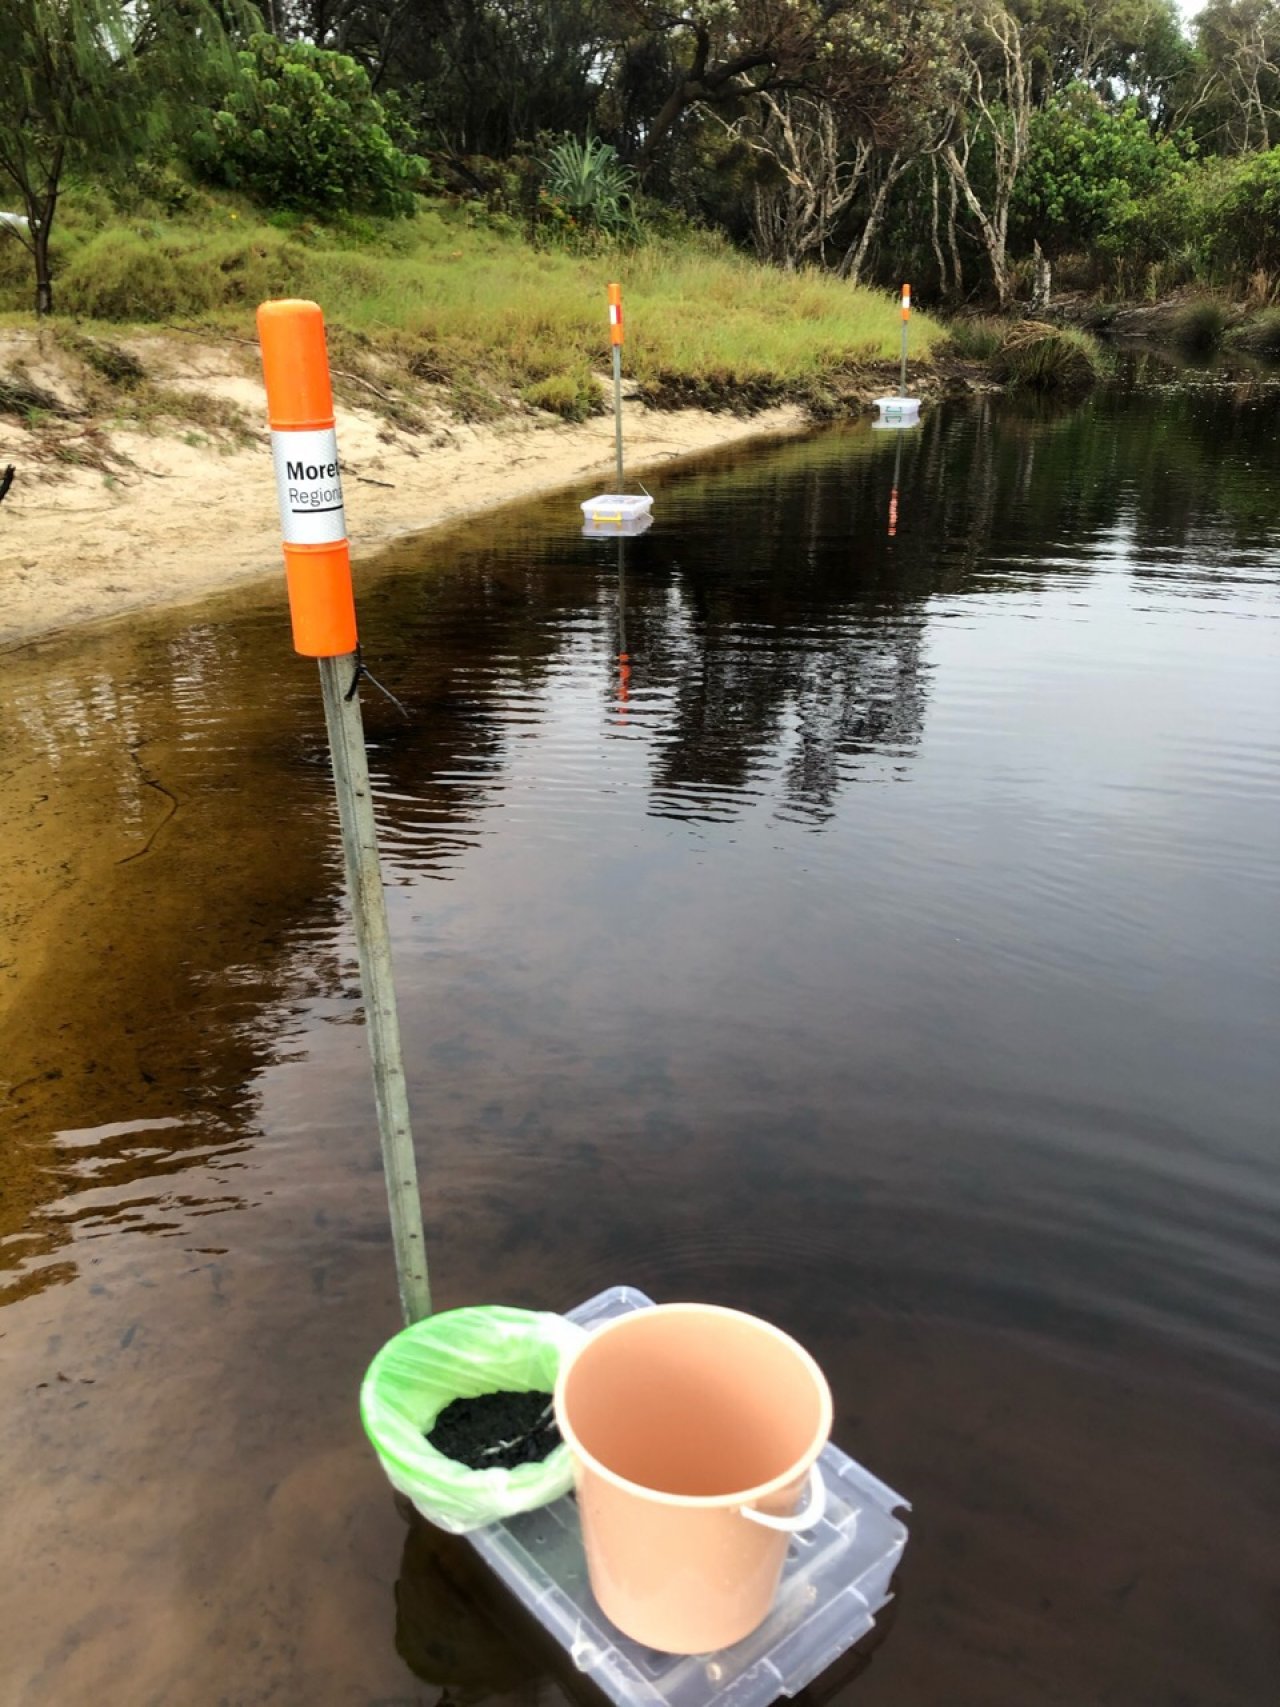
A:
92,84
972,145
1089,165
300,127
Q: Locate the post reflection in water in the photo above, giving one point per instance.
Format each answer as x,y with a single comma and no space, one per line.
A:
624,656
873,930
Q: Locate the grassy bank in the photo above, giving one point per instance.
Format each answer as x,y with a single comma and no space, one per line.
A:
457,298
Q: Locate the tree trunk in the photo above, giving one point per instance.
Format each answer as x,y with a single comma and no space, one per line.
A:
670,110
953,241
938,256
992,228
41,208
856,254
44,283
1042,289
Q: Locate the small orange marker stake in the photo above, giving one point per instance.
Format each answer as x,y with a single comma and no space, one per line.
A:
906,315
304,448
615,338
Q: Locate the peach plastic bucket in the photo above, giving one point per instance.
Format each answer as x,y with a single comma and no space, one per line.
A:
694,1431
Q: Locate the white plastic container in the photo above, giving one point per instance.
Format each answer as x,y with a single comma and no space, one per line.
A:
618,508
898,411
834,1581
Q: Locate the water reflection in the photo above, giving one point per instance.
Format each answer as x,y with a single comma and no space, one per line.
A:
769,648
455,1628
128,787
870,924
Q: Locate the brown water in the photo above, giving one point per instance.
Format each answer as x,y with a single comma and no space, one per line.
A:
890,948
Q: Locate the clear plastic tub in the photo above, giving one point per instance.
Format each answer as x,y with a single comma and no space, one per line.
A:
835,1580
616,507
898,411
617,530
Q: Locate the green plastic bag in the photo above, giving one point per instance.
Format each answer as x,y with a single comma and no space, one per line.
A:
460,1355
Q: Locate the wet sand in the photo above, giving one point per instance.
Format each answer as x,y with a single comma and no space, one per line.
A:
120,520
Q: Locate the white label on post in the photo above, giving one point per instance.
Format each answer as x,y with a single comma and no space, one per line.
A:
310,487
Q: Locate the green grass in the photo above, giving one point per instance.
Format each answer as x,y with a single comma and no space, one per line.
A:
1037,357
976,337
458,296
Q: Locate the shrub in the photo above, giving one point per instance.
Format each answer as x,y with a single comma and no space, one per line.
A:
1261,335
1198,327
1162,231
1244,222
15,272
593,186
120,275
303,129
1049,358
117,366
1088,166
976,337
573,394
156,187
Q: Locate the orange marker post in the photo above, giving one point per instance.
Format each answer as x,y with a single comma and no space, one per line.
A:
304,448
317,557
906,316
615,339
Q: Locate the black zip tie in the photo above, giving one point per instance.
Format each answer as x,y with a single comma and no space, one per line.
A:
362,669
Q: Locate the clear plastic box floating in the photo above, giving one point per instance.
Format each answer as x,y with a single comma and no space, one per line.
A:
617,530
614,511
836,1578
898,412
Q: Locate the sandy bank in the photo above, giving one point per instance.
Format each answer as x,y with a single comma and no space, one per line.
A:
109,513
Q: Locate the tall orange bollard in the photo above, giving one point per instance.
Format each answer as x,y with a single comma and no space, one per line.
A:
304,449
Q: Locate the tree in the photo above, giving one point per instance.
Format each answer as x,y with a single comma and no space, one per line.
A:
997,112
482,76
722,53
1087,164
91,82
1244,220
1235,101
807,181
1117,47
300,127
871,60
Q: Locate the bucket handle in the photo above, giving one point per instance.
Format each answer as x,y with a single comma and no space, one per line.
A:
809,1518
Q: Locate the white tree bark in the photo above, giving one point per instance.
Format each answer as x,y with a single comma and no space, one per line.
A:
1005,114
